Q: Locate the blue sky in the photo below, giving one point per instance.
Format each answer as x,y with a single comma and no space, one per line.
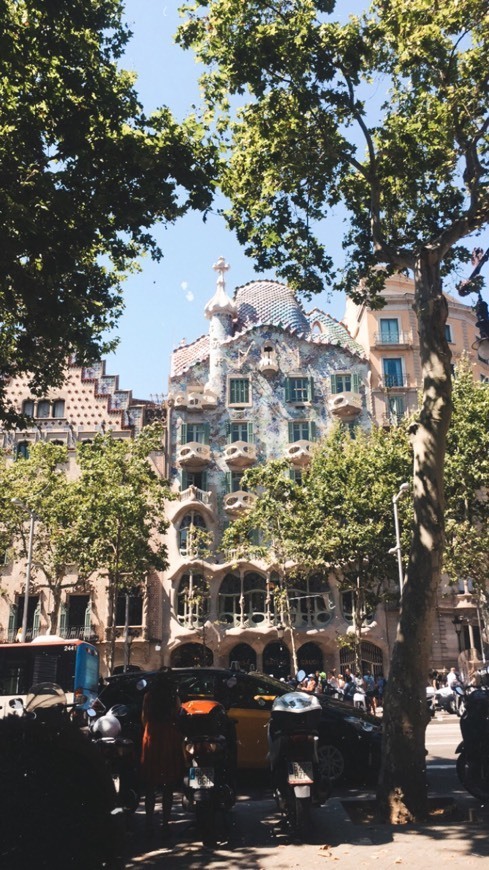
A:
165,301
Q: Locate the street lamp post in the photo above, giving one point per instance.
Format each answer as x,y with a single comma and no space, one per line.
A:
397,549
457,624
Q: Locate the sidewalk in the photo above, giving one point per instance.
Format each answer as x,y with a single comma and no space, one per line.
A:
460,841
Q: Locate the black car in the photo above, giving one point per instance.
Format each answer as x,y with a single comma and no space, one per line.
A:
349,739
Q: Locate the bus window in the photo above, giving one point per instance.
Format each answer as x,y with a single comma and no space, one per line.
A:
73,666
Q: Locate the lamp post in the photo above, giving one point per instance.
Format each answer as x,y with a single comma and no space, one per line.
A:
397,549
30,547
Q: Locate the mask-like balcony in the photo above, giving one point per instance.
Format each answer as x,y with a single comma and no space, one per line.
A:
194,400
239,454
345,404
194,454
235,502
299,452
268,364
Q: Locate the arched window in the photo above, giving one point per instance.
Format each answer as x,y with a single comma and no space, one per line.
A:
22,450
229,600
311,602
191,655
192,600
310,658
370,655
244,655
348,607
190,534
255,599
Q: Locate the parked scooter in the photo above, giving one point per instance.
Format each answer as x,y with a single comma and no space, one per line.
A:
473,751
118,752
54,789
296,779
210,750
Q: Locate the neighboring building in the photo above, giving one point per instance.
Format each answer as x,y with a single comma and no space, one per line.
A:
390,340
89,402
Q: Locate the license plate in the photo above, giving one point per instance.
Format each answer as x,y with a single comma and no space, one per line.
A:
300,774
201,777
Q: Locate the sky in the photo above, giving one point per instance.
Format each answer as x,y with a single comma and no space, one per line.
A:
164,302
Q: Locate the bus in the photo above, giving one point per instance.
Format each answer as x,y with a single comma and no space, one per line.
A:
73,665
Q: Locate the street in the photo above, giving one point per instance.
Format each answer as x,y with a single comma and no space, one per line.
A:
255,840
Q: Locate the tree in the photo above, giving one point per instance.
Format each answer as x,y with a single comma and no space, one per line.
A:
121,504
38,485
84,174
467,484
339,520
413,179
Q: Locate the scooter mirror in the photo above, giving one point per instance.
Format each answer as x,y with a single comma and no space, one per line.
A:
91,713
459,690
141,684
300,675
16,704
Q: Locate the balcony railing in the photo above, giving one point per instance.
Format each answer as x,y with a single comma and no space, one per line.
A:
389,382
78,632
393,339
193,493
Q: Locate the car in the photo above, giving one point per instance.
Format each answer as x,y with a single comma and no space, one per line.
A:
349,738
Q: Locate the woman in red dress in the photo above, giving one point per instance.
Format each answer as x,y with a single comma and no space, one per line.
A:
162,761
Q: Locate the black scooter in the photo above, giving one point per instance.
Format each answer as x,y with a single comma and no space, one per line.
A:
473,751
118,751
210,750
296,779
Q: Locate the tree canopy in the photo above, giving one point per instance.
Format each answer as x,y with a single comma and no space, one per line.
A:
387,115
84,174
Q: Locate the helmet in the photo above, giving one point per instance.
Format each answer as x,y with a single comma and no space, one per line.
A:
107,726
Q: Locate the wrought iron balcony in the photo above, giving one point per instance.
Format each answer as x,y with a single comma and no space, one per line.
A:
393,339
239,454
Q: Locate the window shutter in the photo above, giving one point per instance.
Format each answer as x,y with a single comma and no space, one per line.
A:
228,431
88,620
63,620
183,433
229,481
250,433
310,390
312,431
333,384
287,389
12,622
355,383
204,480
184,479
207,432
36,620
291,432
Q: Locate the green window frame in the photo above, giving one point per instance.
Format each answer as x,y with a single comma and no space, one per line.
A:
302,430
345,382
196,432
299,389
239,430
239,391
194,478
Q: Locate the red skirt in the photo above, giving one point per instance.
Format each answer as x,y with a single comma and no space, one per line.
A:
162,762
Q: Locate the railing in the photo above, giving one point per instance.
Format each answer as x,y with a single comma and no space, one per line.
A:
392,338
30,634
78,632
193,493
389,381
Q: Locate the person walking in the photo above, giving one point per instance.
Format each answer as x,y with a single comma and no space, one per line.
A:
162,759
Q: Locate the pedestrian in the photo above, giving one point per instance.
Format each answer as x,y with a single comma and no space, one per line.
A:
369,684
162,759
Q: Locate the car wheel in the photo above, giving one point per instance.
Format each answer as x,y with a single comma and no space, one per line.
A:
331,762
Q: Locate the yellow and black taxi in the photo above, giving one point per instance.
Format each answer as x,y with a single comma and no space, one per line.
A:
349,739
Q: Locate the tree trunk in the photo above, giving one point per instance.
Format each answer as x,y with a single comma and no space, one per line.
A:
402,789
54,613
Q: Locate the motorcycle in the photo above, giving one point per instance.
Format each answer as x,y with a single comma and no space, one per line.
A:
53,788
119,753
293,739
210,750
473,751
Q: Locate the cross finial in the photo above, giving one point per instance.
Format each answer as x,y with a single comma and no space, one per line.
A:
221,267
